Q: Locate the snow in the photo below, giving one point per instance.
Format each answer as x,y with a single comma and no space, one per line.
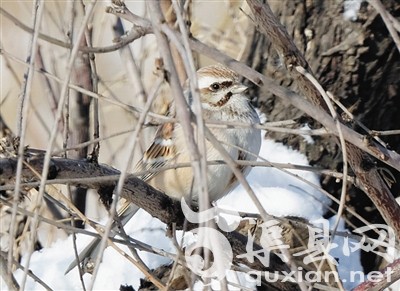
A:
351,8
280,193
348,264
50,263
307,137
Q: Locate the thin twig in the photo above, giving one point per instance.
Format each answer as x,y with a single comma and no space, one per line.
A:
131,146
186,55
132,69
94,95
68,228
386,156
37,12
188,61
385,132
377,4
130,37
9,279
74,52
370,180
334,114
14,284
389,157
52,100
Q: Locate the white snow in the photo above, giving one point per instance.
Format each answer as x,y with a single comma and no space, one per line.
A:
351,8
50,263
348,263
281,194
307,137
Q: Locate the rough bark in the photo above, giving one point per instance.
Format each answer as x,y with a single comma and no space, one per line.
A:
135,190
355,60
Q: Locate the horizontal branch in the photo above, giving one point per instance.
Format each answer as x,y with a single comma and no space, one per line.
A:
135,190
371,147
86,174
388,157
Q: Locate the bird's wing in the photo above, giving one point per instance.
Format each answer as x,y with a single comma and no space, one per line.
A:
160,152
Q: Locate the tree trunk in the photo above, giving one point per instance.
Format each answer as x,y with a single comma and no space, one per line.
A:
357,61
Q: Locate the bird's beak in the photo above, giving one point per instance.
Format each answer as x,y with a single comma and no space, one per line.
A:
237,89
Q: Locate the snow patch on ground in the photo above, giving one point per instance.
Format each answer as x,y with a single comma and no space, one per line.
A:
281,194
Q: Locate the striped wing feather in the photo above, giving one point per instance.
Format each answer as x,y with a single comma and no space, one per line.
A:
160,153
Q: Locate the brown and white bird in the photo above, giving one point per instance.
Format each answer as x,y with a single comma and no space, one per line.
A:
223,99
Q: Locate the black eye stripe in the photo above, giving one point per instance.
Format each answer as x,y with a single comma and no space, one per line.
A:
217,86
226,84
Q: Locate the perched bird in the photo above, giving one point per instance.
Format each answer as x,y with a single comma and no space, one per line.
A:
223,99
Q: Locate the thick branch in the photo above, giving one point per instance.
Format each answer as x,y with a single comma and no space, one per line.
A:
389,157
384,279
74,172
292,57
142,27
372,184
86,174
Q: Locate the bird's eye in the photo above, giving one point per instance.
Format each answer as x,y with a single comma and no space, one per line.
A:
215,86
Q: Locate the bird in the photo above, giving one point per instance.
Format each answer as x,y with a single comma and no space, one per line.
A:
223,99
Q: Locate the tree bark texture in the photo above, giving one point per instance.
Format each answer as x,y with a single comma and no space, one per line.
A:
356,60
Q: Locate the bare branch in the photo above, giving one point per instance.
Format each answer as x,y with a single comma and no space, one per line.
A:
384,279
372,183
134,190
37,12
388,157
387,19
